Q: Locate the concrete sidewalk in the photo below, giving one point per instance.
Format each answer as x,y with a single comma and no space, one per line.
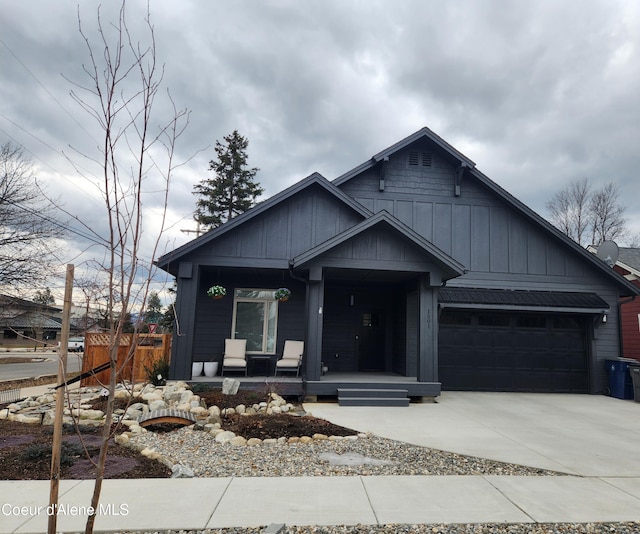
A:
593,437
193,504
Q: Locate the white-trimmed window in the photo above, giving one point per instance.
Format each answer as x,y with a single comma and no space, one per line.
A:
255,318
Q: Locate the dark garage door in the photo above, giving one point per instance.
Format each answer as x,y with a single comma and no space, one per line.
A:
483,351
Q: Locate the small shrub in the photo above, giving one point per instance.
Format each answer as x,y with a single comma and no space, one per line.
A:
201,387
159,372
40,452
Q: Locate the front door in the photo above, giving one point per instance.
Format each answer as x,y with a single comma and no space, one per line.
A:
371,340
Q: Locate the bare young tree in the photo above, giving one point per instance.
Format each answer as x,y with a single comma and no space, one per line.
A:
608,222
123,83
27,225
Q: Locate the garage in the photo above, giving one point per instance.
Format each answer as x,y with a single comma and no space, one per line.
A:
539,345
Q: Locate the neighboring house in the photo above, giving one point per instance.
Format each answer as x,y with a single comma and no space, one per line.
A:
26,324
628,265
413,267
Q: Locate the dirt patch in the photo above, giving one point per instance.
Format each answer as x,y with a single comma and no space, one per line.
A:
25,454
100,403
281,425
264,426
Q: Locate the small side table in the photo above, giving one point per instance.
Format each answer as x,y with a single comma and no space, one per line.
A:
269,363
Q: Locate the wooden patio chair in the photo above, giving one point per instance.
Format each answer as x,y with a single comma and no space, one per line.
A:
234,358
291,357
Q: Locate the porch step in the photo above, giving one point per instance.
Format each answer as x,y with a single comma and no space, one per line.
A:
372,397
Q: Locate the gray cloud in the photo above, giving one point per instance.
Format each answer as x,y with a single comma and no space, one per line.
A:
536,93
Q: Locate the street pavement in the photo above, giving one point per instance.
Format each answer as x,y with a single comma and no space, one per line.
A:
592,439
43,364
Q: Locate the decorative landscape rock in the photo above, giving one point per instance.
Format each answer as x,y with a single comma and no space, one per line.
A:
172,396
182,471
230,386
224,436
352,458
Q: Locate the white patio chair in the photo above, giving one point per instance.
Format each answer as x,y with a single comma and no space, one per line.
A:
234,358
291,357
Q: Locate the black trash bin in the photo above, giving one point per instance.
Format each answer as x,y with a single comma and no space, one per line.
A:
634,371
620,384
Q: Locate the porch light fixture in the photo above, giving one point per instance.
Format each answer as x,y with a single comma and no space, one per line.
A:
352,299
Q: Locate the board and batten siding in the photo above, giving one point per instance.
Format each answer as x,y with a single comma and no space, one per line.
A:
476,228
286,230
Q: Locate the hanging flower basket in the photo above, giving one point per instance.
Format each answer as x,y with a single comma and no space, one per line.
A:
283,294
216,292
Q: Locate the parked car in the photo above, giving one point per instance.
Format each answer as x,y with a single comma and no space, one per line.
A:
76,344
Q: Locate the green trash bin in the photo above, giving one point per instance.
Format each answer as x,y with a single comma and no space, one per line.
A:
634,370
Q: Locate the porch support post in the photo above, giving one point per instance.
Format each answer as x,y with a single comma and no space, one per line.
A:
184,330
315,311
427,331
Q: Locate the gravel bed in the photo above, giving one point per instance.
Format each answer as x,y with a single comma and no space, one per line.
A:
208,458
476,528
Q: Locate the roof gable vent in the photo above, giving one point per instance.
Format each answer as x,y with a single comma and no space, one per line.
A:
419,158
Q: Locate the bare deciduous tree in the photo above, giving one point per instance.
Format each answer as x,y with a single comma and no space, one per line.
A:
123,83
608,222
569,210
27,225
583,214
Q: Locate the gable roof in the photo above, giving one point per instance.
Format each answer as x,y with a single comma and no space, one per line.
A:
450,266
627,287
423,133
315,179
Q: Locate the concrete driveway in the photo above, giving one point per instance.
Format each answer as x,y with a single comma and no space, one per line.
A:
588,435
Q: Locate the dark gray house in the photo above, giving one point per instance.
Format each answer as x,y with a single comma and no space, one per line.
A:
412,269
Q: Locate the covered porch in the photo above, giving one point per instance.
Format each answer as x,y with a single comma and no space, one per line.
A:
365,304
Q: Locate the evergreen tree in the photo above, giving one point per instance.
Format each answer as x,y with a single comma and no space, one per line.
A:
153,312
44,297
232,190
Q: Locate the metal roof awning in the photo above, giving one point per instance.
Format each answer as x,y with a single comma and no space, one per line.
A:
506,299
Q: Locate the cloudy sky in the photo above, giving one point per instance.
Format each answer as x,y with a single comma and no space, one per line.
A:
536,93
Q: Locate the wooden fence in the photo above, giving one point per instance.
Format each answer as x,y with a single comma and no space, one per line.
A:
151,348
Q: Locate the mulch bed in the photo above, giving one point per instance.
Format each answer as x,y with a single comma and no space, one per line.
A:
25,454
